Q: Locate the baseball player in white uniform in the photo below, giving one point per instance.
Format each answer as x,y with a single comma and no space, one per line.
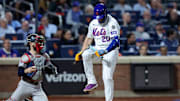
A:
105,31
31,67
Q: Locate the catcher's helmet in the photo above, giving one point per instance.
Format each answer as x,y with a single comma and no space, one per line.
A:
38,40
100,11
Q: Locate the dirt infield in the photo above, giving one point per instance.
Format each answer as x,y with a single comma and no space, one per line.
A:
60,98
115,99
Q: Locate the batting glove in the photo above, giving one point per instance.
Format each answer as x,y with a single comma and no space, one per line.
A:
78,56
100,52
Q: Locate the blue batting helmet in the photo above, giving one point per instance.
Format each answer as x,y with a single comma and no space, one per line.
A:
100,11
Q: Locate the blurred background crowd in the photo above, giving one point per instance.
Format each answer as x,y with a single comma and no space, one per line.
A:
148,27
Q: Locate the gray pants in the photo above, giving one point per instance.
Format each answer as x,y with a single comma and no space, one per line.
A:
25,90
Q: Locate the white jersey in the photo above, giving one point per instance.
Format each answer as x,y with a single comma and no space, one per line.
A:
103,34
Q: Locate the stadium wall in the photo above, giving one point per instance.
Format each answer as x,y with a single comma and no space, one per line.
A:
122,78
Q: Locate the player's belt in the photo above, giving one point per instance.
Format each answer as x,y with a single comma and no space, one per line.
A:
30,81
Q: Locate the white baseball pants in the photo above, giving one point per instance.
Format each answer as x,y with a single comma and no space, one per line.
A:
108,63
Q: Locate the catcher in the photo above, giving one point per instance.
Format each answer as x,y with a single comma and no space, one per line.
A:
31,67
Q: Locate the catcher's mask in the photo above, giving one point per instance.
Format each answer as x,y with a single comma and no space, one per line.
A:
39,42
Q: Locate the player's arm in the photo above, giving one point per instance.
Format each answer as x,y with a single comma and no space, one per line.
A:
22,70
49,67
114,44
115,34
86,44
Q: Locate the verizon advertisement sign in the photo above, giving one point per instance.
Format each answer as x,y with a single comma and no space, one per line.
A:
66,77
70,80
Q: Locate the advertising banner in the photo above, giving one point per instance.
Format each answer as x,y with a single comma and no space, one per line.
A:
70,79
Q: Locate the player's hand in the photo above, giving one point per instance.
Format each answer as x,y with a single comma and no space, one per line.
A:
30,69
78,56
100,53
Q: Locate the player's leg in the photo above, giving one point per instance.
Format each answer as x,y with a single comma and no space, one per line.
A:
88,69
109,64
39,95
21,92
